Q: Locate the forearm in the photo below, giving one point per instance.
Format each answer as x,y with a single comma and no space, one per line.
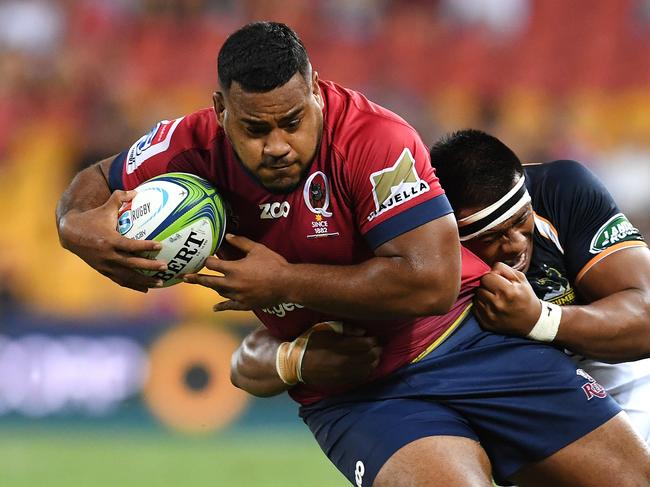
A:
612,329
253,365
89,189
382,287
414,274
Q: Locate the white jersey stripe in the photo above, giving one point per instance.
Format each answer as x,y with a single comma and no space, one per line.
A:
547,231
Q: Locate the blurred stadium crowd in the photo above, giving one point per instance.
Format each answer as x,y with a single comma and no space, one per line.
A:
82,79
79,80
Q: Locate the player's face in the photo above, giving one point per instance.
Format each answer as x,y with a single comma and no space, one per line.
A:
275,134
510,243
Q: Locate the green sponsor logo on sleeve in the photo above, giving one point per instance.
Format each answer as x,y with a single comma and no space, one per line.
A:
616,230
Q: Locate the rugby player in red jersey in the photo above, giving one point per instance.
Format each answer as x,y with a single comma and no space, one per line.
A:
340,216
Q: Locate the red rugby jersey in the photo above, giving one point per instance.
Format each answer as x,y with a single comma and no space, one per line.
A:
370,182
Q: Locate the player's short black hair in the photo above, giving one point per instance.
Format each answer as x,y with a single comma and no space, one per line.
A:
475,169
262,56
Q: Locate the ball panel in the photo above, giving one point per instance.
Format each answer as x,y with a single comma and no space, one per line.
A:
152,206
186,251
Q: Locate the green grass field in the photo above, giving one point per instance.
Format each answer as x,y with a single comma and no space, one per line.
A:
95,458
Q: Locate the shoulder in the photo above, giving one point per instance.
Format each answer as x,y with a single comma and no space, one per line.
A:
563,182
560,174
198,129
171,137
359,126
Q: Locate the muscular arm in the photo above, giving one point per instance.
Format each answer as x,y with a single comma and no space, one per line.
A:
252,367
331,360
414,274
615,326
86,218
88,190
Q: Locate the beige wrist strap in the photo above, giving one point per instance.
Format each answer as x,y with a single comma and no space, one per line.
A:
289,356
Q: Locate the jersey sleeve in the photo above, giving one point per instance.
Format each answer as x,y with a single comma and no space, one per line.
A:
591,224
393,185
171,145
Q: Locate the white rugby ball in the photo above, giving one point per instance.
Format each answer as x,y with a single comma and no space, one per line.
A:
181,211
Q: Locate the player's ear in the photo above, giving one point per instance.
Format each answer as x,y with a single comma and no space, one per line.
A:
315,88
219,106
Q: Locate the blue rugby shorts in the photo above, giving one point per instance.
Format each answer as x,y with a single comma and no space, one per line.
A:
521,399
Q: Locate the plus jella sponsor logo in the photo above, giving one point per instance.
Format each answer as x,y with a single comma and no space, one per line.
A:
396,185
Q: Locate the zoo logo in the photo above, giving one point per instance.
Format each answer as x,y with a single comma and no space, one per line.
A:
271,211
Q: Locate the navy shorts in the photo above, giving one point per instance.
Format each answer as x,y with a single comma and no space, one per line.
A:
522,400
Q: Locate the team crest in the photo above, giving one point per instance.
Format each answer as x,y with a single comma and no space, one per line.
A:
554,287
591,388
396,185
617,229
316,194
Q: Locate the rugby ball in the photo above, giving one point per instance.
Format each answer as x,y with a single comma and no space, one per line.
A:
181,211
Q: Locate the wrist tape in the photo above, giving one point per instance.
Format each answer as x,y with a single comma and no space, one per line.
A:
288,358
548,323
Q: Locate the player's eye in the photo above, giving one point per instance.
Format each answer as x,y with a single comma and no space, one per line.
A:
522,220
489,240
256,130
293,124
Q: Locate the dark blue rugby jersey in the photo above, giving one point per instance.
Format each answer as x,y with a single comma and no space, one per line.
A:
577,223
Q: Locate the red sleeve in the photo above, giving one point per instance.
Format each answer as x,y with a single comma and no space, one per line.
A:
393,185
171,145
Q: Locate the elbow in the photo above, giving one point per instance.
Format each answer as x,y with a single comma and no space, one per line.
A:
439,283
445,304
640,343
250,386
444,288
435,299
446,299
235,376
242,380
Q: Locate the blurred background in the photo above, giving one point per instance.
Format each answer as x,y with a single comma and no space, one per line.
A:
104,386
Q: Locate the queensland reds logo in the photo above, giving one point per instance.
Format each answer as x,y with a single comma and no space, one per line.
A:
316,194
591,388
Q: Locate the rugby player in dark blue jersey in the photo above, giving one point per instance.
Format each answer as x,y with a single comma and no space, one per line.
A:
577,250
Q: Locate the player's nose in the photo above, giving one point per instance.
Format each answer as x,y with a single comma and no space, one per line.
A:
514,244
275,145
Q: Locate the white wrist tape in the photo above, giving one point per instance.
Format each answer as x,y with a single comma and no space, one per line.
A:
548,323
